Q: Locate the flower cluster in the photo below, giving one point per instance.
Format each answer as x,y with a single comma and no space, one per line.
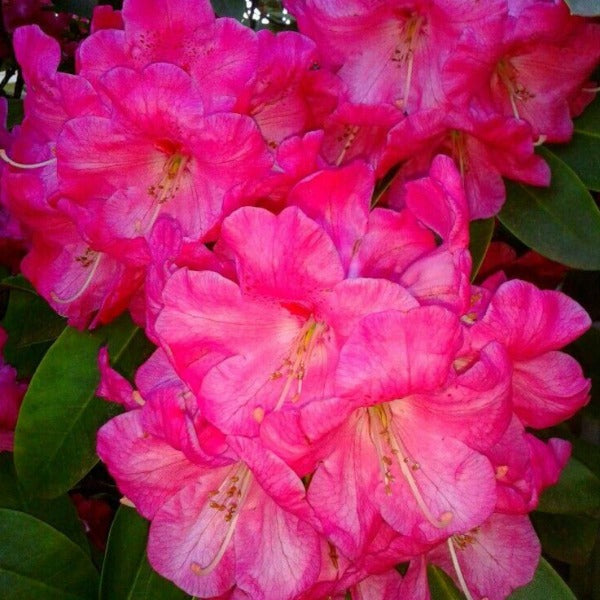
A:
330,396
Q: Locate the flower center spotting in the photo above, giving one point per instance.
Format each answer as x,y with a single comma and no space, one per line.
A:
404,54
390,449
508,76
295,366
227,501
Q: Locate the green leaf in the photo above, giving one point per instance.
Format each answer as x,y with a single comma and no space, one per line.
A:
15,112
577,491
582,153
480,234
126,573
59,512
36,561
31,324
547,584
585,8
229,8
586,349
568,538
55,438
441,586
82,8
561,222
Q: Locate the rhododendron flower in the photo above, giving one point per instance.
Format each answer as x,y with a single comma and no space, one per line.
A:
544,58
488,561
548,385
157,153
206,495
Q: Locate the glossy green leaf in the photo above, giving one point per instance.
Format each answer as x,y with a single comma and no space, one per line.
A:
582,153
480,235
561,222
577,491
441,586
126,573
59,512
230,8
38,562
55,438
82,8
31,324
547,584
15,112
585,8
568,538
586,349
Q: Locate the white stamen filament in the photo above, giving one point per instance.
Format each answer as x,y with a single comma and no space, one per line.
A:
19,165
241,493
541,139
350,137
83,288
591,90
303,349
406,54
398,450
457,569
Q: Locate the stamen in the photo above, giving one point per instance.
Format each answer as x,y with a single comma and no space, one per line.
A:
233,501
302,351
402,55
591,90
403,461
458,151
349,135
84,287
541,139
457,569
19,165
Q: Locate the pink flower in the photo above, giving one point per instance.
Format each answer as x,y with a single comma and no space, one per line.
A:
548,385
223,512
158,153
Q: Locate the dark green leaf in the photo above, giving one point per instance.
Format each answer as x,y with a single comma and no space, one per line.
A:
441,586
561,222
586,350
546,585
588,454
36,562
32,327
82,8
578,491
582,153
480,234
15,112
569,538
230,8
585,8
126,573
59,512
55,438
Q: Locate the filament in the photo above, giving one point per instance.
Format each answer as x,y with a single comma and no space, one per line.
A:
19,165
458,570
233,514
83,288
